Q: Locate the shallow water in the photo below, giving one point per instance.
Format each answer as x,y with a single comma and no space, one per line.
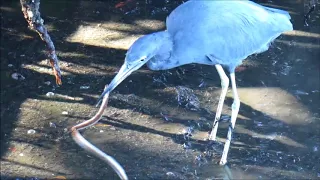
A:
157,123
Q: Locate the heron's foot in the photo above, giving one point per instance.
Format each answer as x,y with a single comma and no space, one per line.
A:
223,162
212,137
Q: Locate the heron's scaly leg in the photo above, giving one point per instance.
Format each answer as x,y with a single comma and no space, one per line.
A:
224,88
235,109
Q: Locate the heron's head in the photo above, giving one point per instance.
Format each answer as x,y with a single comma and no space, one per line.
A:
140,52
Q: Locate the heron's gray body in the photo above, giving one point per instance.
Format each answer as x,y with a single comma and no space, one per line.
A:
227,31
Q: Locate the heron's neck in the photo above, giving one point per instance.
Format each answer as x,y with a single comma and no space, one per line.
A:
162,58
165,43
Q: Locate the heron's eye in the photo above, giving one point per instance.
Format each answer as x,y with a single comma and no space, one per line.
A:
143,58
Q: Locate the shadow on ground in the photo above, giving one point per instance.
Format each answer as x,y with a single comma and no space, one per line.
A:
277,132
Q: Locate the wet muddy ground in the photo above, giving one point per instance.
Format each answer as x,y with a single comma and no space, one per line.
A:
151,115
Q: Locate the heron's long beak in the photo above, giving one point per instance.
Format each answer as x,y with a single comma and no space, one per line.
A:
123,73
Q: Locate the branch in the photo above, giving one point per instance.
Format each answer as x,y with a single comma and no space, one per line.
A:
30,9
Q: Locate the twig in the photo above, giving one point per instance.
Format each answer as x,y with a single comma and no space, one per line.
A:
311,9
30,9
86,145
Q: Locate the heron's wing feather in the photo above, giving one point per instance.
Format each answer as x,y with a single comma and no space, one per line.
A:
231,30
278,11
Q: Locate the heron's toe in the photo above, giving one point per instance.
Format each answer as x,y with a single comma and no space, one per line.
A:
223,162
212,137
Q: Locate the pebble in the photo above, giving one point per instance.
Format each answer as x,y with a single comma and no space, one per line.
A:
84,87
47,83
170,174
17,76
298,92
65,112
52,125
31,131
50,94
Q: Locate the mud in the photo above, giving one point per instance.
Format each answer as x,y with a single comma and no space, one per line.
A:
157,123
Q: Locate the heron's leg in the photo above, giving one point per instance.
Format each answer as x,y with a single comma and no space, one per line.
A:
224,88
235,109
